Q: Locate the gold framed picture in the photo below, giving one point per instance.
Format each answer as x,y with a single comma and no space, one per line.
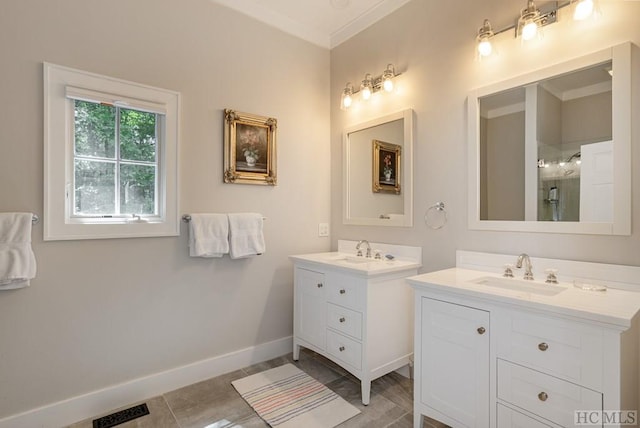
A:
386,167
249,148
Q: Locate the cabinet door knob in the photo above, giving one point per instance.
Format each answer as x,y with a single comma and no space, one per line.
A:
481,330
543,346
342,319
543,396
342,291
319,285
341,348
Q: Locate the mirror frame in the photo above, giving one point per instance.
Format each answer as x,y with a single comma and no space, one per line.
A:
621,124
405,220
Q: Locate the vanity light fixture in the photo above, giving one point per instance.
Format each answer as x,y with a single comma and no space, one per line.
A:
531,20
346,100
368,87
387,78
485,33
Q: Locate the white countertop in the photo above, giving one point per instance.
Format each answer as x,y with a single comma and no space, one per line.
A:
360,266
613,307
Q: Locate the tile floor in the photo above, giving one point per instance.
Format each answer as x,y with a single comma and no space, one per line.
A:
214,403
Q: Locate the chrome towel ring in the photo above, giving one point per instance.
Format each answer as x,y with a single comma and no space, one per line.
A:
433,213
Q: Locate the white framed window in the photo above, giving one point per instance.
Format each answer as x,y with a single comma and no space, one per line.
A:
110,157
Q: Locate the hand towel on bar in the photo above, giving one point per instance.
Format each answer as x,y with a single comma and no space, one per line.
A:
17,261
245,235
208,235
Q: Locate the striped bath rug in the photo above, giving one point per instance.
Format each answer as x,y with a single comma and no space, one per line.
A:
287,397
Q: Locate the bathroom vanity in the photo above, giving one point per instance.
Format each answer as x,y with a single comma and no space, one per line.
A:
503,352
356,310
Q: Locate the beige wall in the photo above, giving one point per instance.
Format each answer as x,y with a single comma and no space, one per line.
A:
102,312
432,44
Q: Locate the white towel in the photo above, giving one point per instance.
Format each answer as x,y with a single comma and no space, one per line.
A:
17,261
208,235
245,235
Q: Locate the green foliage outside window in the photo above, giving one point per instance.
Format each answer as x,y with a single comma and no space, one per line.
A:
115,160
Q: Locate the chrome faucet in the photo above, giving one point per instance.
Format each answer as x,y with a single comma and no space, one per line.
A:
359,253
528,274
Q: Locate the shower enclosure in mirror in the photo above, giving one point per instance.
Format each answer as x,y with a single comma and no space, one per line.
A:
376,193
550,151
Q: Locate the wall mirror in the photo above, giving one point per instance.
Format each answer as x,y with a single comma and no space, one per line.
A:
378,171
550,151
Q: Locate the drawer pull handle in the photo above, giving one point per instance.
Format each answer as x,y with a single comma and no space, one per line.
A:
342,319
543,396
341,348
481,330
343,291
543,346
319,285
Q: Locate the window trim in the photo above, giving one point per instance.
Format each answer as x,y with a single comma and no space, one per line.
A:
61,86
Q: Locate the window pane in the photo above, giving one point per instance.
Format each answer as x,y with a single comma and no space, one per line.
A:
137,189
95,133
137,135
94,187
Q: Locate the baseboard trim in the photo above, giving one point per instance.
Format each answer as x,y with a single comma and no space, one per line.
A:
84,406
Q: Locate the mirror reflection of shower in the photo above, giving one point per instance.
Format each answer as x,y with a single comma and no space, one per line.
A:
553,200
560,187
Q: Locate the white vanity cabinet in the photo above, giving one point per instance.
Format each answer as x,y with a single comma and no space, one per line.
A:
358,314
454,361
504,358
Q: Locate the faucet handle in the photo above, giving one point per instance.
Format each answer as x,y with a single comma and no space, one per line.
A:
552,276
508,270
359,253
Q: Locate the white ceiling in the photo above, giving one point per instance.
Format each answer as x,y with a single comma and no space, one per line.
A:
326,23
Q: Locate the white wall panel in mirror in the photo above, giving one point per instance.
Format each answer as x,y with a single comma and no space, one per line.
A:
550,151
378,178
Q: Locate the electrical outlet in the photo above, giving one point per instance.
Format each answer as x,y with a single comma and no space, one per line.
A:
323,229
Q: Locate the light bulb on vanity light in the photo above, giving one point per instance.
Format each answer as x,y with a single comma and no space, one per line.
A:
485,33
529,30
583,9
366,88
528,25
346,100
387,78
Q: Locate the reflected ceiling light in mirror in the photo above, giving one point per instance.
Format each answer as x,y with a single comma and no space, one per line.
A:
485,33
370,85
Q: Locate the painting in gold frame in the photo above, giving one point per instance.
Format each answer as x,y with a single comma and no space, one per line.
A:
249,148
386,167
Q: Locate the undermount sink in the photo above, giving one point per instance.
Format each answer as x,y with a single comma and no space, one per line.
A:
353,259
519,285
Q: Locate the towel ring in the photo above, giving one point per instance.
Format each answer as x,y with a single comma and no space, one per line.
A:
433,211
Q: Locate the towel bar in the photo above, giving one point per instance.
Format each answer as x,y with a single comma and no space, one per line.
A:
187,218
35,219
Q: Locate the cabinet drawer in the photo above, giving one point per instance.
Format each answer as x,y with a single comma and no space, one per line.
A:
549,397
347,350
344,292
509,418
344,320
562,348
